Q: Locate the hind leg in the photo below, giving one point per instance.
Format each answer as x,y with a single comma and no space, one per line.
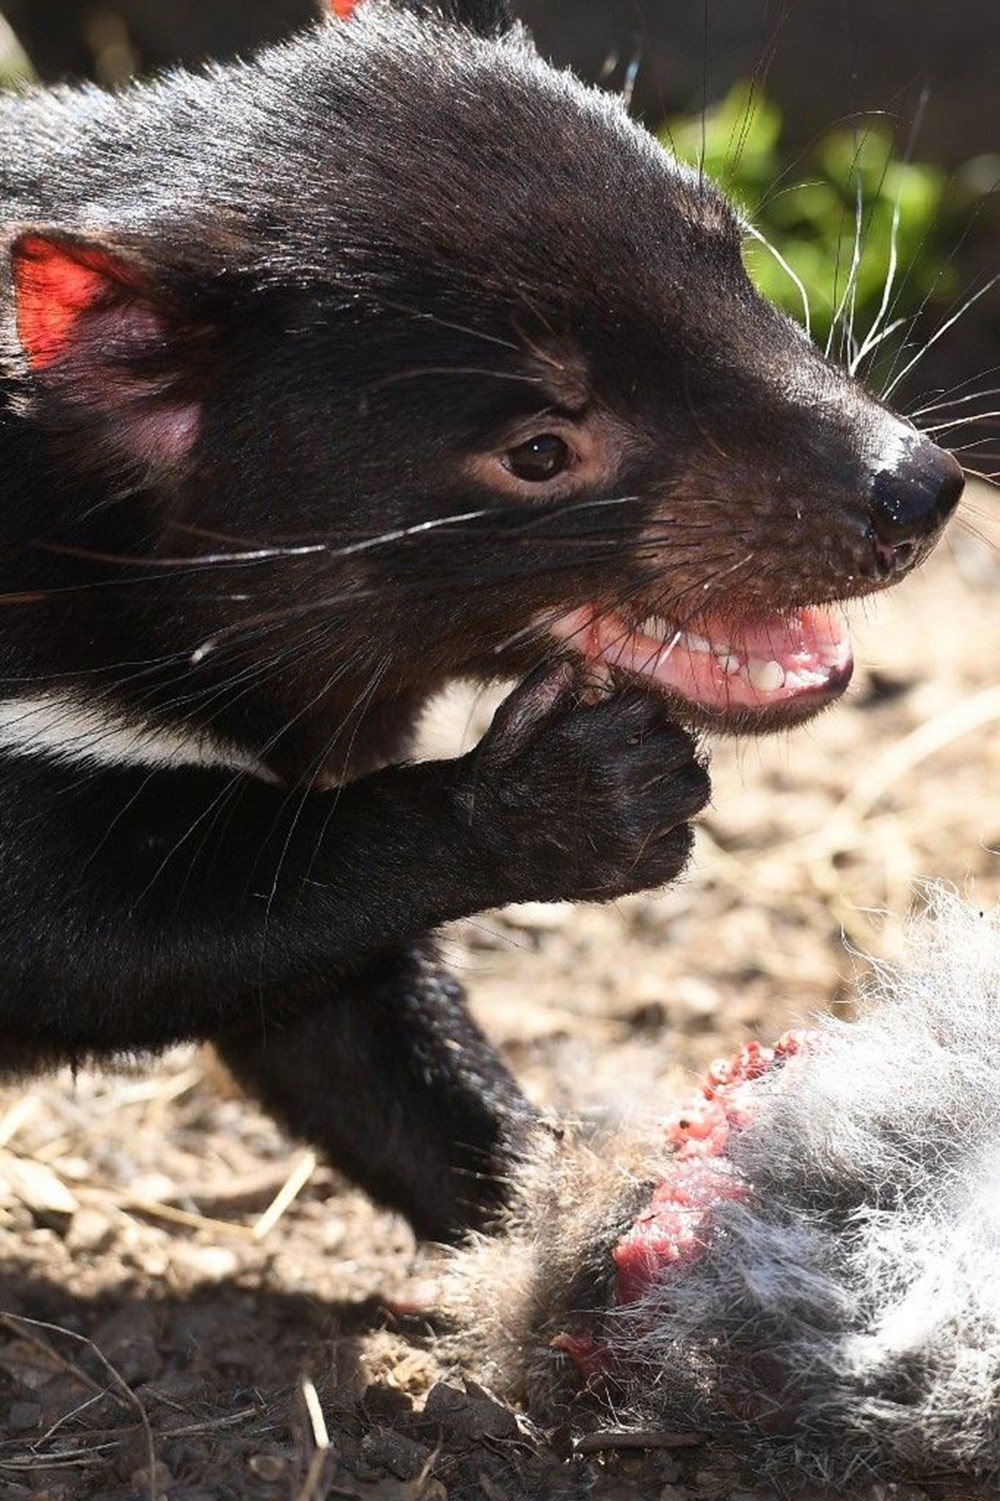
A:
387,1073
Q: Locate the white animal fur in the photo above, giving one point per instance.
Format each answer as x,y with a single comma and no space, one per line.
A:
845,1324
65,729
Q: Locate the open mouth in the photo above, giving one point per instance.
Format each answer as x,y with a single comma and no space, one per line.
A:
780,668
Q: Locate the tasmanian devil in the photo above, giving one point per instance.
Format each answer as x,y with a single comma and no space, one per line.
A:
390,356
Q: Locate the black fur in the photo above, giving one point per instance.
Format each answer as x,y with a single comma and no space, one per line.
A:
490,18
259,493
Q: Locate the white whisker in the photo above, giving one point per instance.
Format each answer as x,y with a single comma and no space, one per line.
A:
873,337
942,427
848,299
949,323
756,235
953,401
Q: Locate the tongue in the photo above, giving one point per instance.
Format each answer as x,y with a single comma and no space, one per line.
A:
719,665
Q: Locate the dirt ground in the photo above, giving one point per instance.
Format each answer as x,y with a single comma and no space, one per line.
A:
192,1307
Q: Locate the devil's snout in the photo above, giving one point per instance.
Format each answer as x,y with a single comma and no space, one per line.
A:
910,502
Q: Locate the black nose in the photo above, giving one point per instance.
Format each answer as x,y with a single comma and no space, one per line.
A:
911,501
917,496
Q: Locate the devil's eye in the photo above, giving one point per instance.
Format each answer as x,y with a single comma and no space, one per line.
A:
541,458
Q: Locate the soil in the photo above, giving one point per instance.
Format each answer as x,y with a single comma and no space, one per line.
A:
191,1306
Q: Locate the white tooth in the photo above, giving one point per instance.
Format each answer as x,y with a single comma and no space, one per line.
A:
765,676
694,642
730,664
655,626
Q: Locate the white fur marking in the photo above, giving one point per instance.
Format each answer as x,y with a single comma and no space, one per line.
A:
97,734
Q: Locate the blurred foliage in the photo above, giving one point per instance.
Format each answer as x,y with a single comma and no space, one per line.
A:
14,65
834,214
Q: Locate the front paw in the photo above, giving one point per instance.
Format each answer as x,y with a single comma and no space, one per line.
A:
576,800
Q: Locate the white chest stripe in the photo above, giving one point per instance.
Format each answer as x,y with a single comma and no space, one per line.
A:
67,730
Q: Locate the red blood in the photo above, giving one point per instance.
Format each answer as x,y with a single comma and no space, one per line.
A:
591,1359
676,1228
796,1040
55,285
725,1101
750,1061
700,1129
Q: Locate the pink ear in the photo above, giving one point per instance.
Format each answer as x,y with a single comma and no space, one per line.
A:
55,285
95,334
344,9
